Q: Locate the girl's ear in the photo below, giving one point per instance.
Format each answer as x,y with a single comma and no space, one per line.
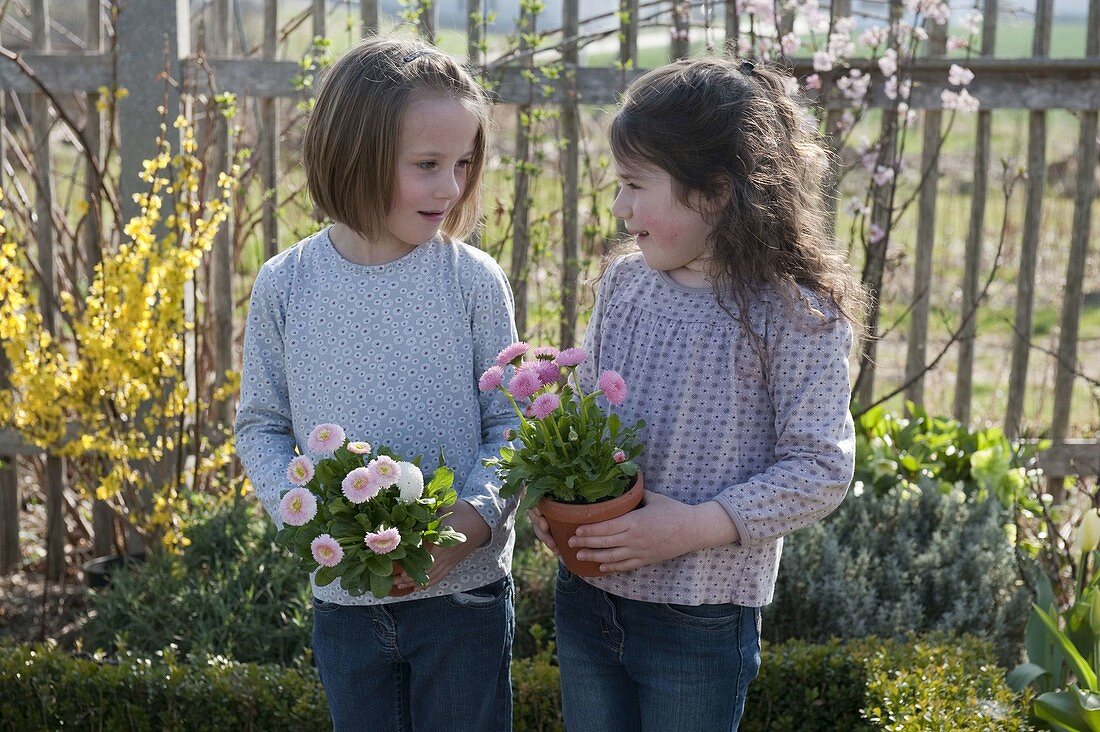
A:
717,198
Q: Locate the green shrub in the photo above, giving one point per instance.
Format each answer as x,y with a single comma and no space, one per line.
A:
897,564
233,592
931,683
43,688
934,683
534,568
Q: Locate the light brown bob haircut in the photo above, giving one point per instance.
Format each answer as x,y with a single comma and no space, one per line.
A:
350,144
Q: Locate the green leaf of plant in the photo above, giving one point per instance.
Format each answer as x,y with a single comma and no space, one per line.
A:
1081,668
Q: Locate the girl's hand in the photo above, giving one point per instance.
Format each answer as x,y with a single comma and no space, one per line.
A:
662,529
542,530
465,519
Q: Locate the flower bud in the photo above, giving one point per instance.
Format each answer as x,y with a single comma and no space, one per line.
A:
1088,532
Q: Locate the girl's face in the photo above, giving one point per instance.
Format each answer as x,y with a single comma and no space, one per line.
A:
434,149
672,236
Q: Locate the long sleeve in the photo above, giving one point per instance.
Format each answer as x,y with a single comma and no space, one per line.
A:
807,375
492,322
263,428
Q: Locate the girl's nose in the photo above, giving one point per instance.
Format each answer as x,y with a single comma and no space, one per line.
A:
449,186
620,209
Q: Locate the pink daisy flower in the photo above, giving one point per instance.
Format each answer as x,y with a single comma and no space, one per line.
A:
545,404
524,383
548,371
491,379
384,471
618,456
613,387
325,439
359,448
510,353
326,551
300,470
543,353
360,486
298,506
571,357
383,541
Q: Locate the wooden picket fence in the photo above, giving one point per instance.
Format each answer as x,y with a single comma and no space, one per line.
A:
1038,84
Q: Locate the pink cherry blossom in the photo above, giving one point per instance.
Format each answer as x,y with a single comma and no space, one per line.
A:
511,352
613,387
959,75
297,507
544,405
326,551
300,470
571,357
325,439
360,485
813,81
383,541
491,379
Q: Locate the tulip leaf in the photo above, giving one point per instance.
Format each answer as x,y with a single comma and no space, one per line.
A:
1084,672
1020,677
1073,710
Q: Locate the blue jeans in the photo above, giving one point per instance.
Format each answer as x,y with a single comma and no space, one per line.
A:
432,664
629,665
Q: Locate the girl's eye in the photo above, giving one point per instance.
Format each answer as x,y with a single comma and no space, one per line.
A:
426,164
632,186
464,163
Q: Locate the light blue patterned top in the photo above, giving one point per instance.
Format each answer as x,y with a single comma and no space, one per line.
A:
391,353
761,426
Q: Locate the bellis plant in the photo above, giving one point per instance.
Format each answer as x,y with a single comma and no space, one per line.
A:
567,448
353,511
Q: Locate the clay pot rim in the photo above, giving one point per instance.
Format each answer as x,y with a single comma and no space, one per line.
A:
580,513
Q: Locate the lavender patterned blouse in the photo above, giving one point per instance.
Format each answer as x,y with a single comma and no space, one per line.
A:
760,425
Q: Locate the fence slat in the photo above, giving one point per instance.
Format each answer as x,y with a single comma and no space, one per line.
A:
926,233
972,258
319,17
221,264
1078,250
521,193
570,162
1029,248
475,20
103,518
428,20
732,22
833,137
9,475
368,13
269,138
1068,84
680,43
875,262
47,266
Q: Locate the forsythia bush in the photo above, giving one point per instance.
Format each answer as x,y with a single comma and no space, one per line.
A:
117,373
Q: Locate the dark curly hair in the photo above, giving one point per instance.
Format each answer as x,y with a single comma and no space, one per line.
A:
736,135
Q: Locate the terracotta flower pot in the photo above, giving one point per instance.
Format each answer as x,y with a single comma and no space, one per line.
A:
564,518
